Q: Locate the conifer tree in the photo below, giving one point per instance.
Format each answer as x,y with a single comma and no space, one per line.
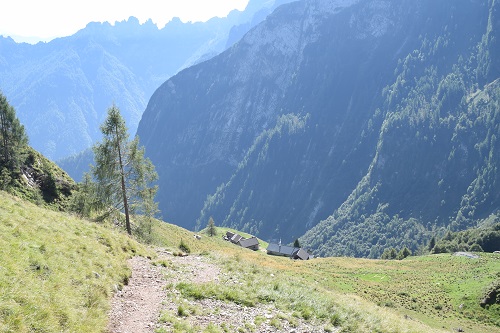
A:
123,175
296,243
211,227
405,252
431,244
12,137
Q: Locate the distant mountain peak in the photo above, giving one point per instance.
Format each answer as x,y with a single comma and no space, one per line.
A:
62,88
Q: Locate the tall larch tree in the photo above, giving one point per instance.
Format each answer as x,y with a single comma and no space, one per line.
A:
123,175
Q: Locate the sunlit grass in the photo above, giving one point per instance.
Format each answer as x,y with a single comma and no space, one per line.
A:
57,272
366,295
294,297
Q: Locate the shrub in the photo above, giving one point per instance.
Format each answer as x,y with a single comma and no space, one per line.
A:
389,253
336,320
183,247
181,312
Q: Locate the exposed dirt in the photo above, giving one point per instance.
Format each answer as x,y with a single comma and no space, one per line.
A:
136,308
151,294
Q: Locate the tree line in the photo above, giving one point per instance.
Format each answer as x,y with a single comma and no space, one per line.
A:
13,139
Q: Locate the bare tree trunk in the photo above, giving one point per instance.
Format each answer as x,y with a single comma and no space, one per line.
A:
124,190
3,115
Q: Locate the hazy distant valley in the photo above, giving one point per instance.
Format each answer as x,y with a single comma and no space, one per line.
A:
61,89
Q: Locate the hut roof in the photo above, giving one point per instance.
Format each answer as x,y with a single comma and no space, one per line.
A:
249,242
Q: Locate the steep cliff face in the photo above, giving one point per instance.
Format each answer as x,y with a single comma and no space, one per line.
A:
304,115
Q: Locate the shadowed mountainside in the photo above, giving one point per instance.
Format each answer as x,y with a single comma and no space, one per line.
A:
383,113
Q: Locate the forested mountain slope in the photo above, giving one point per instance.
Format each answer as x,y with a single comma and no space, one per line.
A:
437,158
62,89
384,113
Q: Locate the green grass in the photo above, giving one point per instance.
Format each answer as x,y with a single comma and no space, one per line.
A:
437,290
358,294
440,290
57,272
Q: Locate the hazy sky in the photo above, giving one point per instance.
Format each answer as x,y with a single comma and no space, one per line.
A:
47,19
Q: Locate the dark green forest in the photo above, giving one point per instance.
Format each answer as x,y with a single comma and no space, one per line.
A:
482,239
437,156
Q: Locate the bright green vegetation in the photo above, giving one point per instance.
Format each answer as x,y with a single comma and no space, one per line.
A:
57,272
486,238
437,290
417,294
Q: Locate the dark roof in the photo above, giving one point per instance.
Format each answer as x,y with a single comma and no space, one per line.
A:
301,254
229,234
282,249
236,238
288,250
250,242
273,248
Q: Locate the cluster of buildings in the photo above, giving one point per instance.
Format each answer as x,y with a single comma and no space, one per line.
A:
252,243
288,251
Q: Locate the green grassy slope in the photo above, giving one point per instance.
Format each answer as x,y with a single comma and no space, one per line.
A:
58,273
418,294
439,290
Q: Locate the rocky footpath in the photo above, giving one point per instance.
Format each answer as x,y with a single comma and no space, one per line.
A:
151,303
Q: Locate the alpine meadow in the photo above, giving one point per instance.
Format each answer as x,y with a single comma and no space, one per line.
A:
298,166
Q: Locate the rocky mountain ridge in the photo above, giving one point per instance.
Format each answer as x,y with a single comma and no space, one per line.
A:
61,89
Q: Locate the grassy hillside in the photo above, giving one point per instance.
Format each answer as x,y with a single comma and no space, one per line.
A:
58,273
40,181
418,294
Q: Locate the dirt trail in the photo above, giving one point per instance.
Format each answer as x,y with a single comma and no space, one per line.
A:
149,294
137,307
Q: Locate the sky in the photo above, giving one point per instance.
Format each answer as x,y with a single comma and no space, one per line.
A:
47,19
